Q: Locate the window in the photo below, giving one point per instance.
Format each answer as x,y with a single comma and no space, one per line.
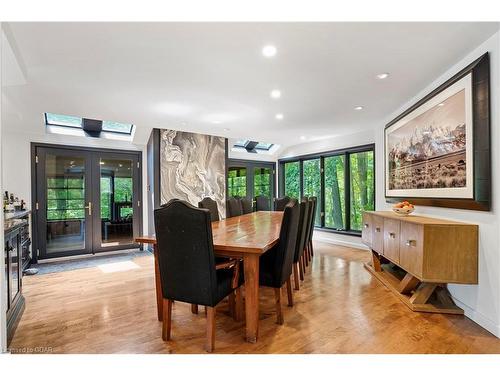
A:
244,143
311,183
335,192
237,182
362,186
343,182
292,179
77,122
116,127
262,183
264,146
63,120
65,199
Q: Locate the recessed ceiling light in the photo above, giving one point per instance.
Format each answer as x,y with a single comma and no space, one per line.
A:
440,104
358,108
215,122
269,51
279,116
226,129
302,137
382,75
275,94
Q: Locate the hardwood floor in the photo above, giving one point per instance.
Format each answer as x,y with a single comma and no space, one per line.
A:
340,308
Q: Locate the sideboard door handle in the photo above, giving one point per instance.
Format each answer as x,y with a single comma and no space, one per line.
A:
377,229
411,243
366,225
392,235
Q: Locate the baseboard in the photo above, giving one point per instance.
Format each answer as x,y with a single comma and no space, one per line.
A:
347,243
478,318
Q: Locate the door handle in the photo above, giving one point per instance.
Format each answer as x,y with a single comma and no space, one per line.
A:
392,234
89,207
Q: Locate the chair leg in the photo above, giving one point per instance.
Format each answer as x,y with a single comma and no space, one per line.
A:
306,257
194,308
277,298
167,319
210,329
301,269
289,291
296,276
312,249
309,253
304,261
238,305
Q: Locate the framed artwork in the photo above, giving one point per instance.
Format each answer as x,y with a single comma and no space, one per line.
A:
437,152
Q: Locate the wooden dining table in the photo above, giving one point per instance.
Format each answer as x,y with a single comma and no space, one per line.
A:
244,237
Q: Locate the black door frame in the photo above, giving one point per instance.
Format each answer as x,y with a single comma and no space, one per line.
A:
92,154
250,165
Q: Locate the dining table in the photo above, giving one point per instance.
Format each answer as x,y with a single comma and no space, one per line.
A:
244,237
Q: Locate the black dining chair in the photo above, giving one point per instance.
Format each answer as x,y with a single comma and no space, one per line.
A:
188,271
234,207
309,248
303,261
302,233
262,203
246,205
210,205
280,203
276,263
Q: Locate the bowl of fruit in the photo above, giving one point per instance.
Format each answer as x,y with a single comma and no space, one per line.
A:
403,208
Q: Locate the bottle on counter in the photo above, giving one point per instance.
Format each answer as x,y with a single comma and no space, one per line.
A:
17,204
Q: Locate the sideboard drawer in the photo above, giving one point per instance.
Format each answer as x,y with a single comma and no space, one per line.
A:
378,234
391,239
411,248
366,232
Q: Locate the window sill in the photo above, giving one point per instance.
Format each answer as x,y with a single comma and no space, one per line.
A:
347,233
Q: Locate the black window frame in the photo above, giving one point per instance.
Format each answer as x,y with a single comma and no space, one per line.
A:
346,152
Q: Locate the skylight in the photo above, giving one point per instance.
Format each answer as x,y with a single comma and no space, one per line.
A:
63,120
241,143
117,127
78,122
264,146
255,145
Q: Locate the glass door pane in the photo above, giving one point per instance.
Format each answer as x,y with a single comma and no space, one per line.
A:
335,217
262,183
116,201
65,203
362,186
312,184
237,182
292,179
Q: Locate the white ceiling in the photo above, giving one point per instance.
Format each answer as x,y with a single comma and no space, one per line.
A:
188,75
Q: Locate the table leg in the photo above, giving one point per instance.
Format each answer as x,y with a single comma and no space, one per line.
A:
251,267
159,293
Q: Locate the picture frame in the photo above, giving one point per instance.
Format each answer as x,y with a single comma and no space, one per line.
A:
438,152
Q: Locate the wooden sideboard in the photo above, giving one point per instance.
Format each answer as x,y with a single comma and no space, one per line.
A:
416,256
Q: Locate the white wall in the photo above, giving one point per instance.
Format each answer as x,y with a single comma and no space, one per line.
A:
481,302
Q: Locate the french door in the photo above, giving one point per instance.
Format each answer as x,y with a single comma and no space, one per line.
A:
250,179
86,201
